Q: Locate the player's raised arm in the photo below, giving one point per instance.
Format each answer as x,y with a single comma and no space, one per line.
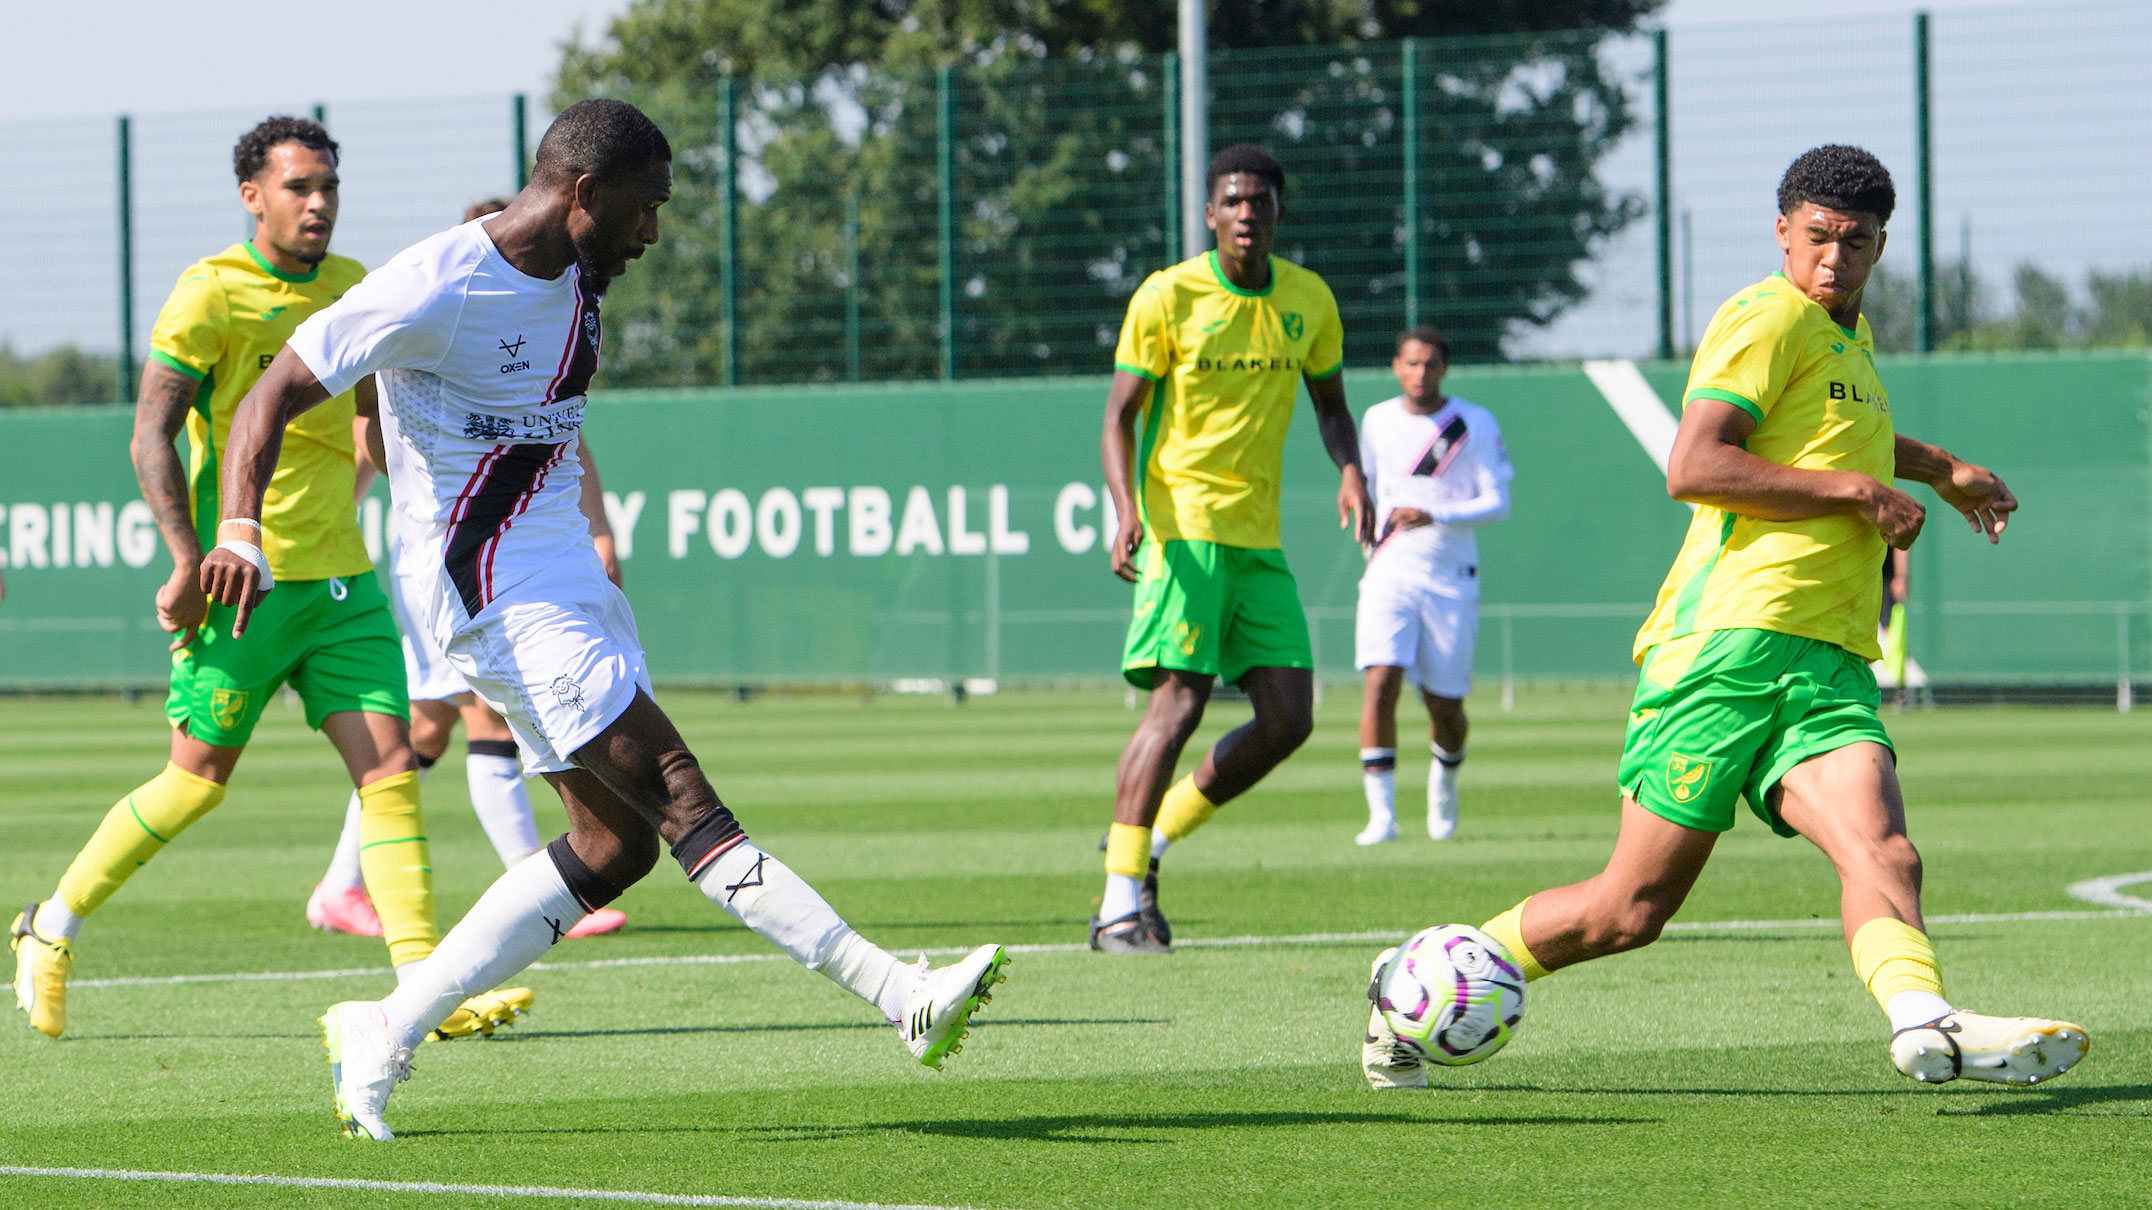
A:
236,573
1116,454
1341,438
1975,491
1710,466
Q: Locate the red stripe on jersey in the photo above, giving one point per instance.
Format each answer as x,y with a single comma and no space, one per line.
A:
567,352
522,502
470,485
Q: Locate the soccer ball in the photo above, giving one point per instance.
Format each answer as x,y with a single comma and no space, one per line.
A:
1452,994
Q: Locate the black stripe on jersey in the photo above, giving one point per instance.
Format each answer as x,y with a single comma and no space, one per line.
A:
1435,459
486,513
582,359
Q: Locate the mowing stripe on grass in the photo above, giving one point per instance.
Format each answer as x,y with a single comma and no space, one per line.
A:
502,1191
1072,947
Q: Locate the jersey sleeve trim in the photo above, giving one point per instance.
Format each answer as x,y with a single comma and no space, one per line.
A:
1755,413
176,365
1332,372
1138,371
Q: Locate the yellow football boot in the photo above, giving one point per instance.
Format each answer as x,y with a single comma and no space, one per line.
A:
41,969
484,1013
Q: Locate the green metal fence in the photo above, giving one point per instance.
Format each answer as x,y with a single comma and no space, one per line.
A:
1542,197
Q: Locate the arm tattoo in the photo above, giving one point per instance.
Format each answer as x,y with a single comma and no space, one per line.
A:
166,398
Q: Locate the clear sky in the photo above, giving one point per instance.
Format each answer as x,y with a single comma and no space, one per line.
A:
416,89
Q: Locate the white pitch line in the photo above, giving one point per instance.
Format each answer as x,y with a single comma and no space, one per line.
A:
2124,906
2108,891
500,1191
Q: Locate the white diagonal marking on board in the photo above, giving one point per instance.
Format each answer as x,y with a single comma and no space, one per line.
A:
1638,406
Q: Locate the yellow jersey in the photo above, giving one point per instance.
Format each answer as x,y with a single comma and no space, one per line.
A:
1227,364
1812,387
221,326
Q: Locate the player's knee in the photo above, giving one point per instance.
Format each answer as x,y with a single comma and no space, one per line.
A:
1895,859
1174,720
1627,925
1283,731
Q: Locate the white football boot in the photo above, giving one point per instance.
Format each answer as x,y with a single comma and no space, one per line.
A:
1386,1061
2001,1050
1379,830
365,1066
938,1010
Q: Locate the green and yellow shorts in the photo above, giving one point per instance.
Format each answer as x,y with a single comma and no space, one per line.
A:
1214,609
334,640
1727,713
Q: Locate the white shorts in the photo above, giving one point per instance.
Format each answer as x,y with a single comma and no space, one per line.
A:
559,669
1428,634
426,668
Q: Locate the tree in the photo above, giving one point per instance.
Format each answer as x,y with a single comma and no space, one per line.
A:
1061,168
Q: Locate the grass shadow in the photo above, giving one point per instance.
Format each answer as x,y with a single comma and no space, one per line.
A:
665,1030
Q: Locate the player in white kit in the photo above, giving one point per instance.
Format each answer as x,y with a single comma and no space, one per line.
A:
440,697
483,340
1437,471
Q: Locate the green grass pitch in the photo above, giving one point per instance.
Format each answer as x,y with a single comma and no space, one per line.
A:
1721,1066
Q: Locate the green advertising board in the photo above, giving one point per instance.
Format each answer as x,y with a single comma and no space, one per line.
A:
847,534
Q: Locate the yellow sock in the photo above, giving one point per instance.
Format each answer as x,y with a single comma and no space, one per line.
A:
397,866
1184,810
1128,850
1508,928
1892,956
133,831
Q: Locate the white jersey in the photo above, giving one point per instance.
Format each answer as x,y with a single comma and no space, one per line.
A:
482,372
1450,465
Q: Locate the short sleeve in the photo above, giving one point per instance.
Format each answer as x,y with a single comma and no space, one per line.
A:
1146,348
189,334
1326,356
398,317
1747,355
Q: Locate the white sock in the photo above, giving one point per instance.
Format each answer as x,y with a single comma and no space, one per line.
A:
1446,765
1158,843
511,926
1120,897
502,804
1908,1009
1380,784
343,873
764,894
54,922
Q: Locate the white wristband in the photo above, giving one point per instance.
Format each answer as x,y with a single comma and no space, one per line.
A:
241,521
253,555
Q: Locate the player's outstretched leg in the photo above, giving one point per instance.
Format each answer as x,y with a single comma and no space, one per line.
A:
1847,802
136,829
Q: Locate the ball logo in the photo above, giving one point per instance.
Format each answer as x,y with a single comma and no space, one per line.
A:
1686,777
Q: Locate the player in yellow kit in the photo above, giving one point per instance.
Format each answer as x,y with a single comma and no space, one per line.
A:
1211,359
326,630
1755,680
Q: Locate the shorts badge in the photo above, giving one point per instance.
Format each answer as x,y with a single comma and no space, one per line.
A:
227,707
1187,636
567,693
1686,777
